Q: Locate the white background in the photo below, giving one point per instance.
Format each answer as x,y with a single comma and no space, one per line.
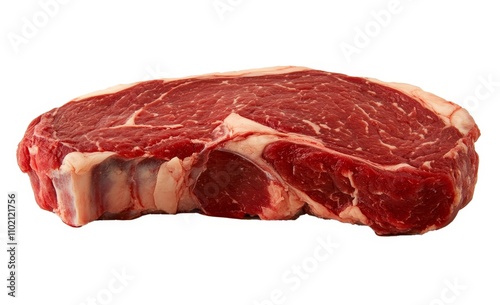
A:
53,53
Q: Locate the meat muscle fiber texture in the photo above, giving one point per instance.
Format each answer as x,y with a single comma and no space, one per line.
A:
270,143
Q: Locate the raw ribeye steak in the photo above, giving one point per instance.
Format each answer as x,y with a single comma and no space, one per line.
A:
271,144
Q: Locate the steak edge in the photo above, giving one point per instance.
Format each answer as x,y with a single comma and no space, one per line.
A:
270,143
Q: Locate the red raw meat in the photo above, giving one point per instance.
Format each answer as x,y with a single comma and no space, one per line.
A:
271,143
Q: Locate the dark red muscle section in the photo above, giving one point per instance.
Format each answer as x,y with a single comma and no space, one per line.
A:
232,186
